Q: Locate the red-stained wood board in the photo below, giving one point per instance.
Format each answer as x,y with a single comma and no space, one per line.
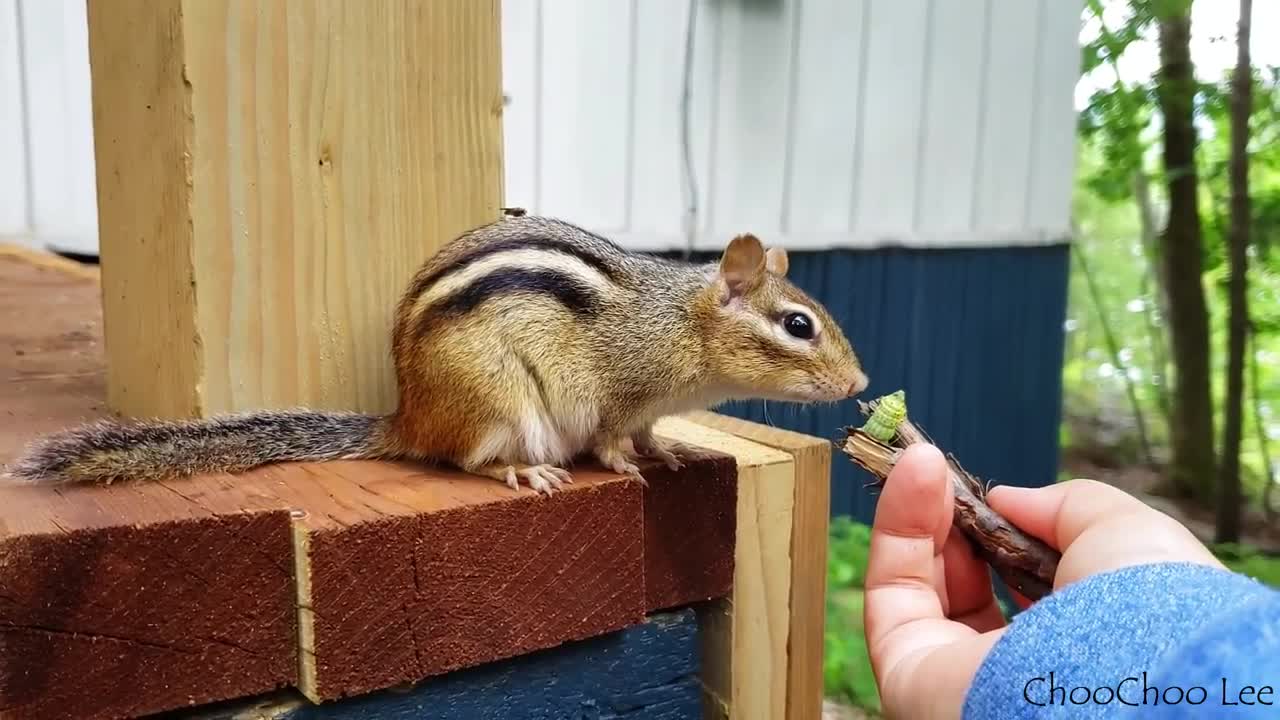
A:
337,578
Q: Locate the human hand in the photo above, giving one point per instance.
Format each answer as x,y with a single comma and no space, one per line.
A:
929,611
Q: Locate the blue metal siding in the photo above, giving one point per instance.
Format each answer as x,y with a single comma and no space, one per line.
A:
974,337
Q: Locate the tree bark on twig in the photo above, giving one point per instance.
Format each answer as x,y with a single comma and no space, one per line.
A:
1025,563
1229,485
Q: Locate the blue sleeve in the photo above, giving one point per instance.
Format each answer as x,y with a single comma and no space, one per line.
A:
1167,640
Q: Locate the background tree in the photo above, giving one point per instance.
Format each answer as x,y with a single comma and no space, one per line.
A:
1191,473
1126,206
1228,525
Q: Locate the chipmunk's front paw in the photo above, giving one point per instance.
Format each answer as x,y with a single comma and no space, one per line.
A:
613,457
544,479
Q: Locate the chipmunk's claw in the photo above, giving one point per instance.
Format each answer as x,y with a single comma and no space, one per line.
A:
612,457
545,479
666,452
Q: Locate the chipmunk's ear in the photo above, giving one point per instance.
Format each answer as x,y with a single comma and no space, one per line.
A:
776,261
742,267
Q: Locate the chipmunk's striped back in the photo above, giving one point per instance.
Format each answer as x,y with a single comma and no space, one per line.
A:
539,256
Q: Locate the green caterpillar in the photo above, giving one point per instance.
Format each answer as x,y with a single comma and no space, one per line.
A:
889,413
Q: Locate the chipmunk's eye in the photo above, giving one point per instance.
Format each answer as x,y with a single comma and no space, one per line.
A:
798,325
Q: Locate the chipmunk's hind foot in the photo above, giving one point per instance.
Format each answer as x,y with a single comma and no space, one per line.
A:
612,456
668,452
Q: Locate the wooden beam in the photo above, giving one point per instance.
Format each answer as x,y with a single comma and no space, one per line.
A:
810,527
364,574
696,563
461,571
269,177
124,601
746,636
644,672
414,574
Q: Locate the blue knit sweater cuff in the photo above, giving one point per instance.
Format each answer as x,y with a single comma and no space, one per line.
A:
1097,645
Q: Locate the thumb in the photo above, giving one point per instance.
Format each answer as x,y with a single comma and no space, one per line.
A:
1096,527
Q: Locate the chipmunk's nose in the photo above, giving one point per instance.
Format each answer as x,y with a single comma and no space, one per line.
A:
860,383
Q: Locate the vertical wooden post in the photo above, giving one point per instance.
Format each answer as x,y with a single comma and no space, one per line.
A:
270,174
810,530
746,637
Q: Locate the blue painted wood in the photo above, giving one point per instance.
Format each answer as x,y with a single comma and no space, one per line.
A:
975,338
646,672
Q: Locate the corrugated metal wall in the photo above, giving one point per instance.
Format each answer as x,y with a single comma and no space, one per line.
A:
975,338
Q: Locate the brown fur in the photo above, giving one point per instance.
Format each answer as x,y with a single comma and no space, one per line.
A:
602,337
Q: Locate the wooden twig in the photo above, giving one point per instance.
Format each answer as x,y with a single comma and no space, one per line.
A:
1023,562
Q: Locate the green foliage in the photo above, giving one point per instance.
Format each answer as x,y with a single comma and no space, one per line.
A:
1119,136
1250,561
847,553
846,667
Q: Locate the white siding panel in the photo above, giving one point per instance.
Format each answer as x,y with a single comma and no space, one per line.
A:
889,130
13,158
824,126
656,197
815,123
585,123
1053,163
951,115
704,112
1009,102
59,123
521,70
751,123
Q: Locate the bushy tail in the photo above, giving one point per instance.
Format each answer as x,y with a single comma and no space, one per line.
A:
106,451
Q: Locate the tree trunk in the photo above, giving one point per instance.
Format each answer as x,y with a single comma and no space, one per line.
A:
1192,469
1229,494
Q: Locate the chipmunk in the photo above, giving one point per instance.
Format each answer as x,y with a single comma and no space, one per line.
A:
520,346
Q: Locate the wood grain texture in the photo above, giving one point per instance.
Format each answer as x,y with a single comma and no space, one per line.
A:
690,530
122,600
52,370
133,601
40,258
416,573
810,523
647,671
259,219
745,636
